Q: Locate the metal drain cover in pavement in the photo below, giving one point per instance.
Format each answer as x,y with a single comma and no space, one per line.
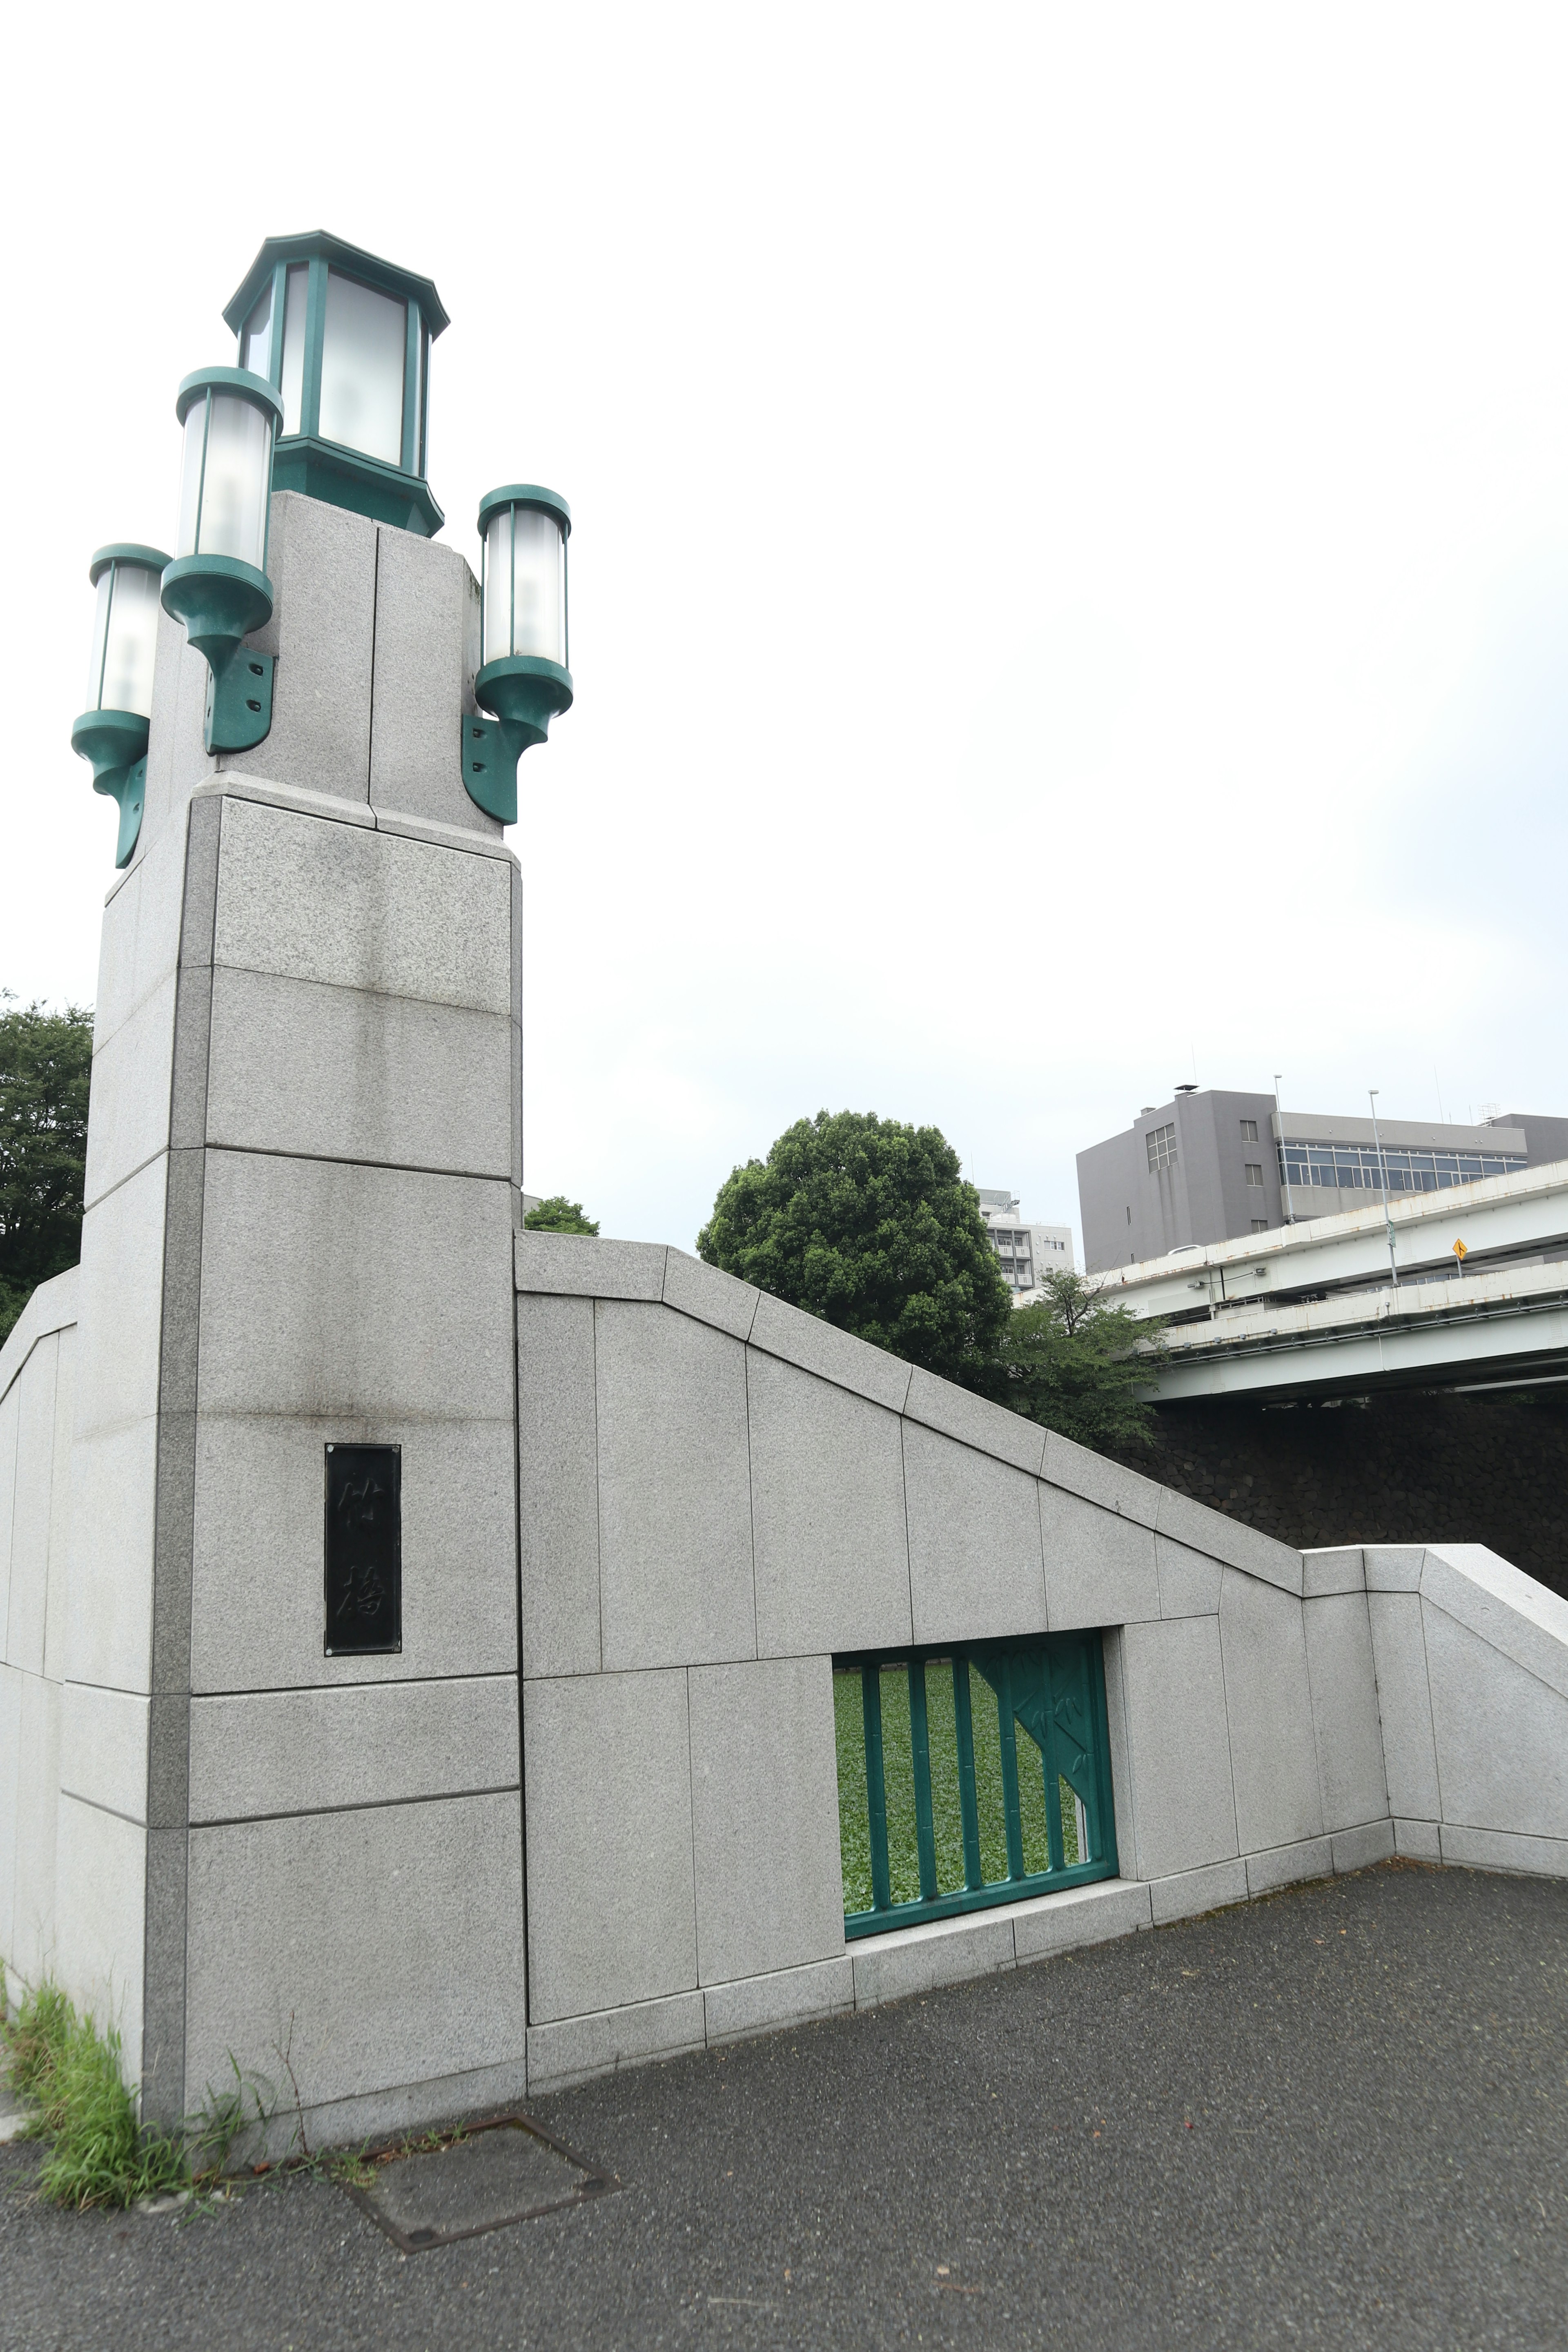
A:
508,2170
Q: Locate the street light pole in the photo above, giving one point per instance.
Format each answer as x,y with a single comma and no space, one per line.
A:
1372,1095
1284,1157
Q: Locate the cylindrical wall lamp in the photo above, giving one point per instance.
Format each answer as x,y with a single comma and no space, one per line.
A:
524,679
217,584
113,730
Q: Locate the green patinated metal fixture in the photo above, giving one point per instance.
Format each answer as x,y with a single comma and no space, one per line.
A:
345,341
217,584
113,730
330,399
523,674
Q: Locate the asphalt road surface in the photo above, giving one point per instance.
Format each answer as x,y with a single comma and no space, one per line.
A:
1338,2117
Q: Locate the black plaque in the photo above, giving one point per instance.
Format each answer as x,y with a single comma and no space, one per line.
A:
365,1549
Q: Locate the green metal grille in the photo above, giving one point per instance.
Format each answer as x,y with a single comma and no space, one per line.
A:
968,1777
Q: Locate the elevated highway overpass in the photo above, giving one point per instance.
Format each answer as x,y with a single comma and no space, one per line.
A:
1315,1310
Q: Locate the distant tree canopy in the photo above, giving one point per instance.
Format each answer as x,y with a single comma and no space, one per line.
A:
869,1225
1076,1362
559,1215
45,1066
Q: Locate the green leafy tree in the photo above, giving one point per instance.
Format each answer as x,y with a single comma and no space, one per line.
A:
1077,1362
869,1225
46,1066
559,1215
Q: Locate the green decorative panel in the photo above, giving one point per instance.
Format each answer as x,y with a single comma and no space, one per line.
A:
968,1777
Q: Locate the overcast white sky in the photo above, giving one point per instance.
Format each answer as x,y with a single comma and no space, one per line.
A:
1070,576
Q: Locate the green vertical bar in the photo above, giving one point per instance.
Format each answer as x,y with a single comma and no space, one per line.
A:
1009,1770
963,1721
274,353
411,324
875,1790
1049,1755
920,1743
1102,1827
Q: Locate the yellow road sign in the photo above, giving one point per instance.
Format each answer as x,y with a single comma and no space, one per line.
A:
1461,1252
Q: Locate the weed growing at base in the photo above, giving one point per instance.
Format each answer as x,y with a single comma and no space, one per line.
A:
100,2155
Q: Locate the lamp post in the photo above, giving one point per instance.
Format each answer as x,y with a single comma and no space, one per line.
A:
1372,1095
1284,1156
330,401
111,732
217,584
524,677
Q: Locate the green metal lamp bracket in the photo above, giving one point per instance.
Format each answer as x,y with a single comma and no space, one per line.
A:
238,711
490,751
222,602
131,794
526,692
114,744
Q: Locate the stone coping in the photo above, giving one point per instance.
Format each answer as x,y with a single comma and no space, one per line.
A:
52,1308
578,1267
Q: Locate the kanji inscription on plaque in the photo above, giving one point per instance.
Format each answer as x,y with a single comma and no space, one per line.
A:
364,1549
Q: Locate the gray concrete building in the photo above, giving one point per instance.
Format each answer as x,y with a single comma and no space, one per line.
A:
1212,1166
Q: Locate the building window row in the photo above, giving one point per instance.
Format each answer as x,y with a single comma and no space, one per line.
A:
1162,1143
1354,1167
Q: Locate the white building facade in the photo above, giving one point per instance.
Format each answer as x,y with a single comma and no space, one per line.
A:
1027,1252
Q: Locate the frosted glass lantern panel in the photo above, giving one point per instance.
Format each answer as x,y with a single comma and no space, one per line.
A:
256,342
227,479
124,640
538,585
498,586
291,391
525,586
363,358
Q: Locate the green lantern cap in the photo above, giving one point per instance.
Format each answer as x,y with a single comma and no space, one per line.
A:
151,558
239,382
525,494
352,260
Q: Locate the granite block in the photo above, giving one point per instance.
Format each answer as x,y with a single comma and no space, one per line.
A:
1193,1892
1404,1702
264,1752
1345,1718
377,1946
257,1618
340,1074
558,1491
608,1780
1269,1707
348,907
1099,1567
578,2048
675,1507
1179,1756
575,1266
764,1815
975,1421
763,2004
818,1347
709,1294
828,1514
977,1563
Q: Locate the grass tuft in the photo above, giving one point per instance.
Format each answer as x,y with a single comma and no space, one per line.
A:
101,2155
